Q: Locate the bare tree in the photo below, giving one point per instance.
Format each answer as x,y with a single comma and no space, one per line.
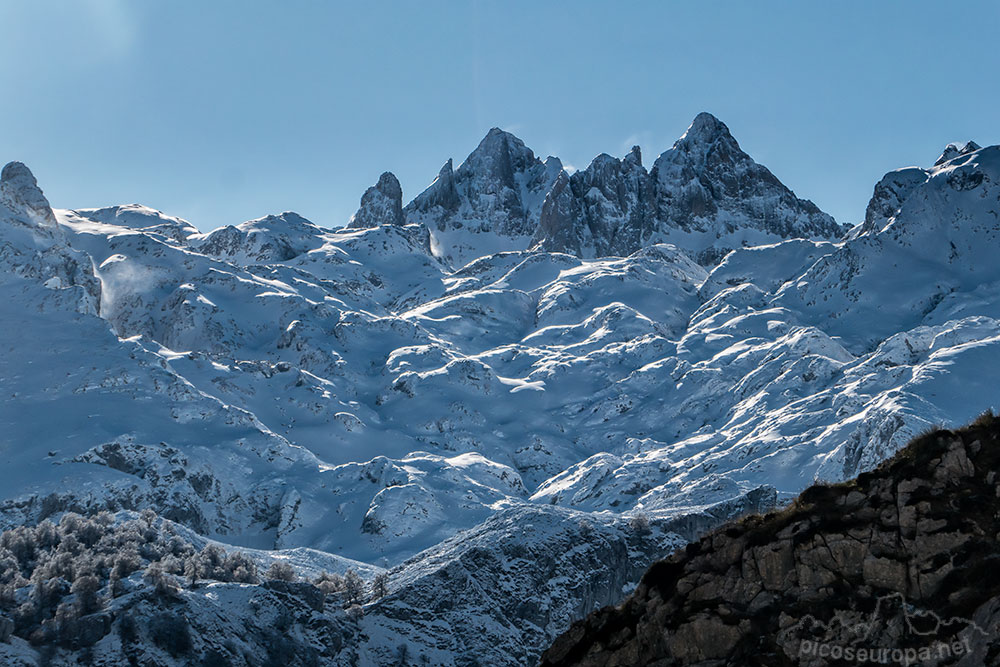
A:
380,586
354,587
280,571
85,590
330,584
639,524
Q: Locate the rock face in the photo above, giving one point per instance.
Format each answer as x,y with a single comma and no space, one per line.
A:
900,558
889,195
492,202
382,204
605,210
952,151
896,186
19,192
704,194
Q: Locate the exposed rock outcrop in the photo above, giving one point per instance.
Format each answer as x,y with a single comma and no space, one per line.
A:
953,150
382,204
492,202
704,194
901,559
20,193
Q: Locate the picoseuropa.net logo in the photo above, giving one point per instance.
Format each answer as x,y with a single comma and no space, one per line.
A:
895,633
885,656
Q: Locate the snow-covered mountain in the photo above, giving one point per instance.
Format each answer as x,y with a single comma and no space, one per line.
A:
489,204
704,195
471,425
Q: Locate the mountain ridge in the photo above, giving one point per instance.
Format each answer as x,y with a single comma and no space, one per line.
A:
280,385
701,186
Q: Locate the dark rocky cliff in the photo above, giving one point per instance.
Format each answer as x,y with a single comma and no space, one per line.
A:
900,563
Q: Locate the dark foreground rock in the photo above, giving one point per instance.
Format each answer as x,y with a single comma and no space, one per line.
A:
899,566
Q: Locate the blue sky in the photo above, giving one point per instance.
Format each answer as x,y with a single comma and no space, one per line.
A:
224,111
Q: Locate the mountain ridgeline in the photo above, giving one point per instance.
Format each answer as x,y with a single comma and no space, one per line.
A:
704,195
499,404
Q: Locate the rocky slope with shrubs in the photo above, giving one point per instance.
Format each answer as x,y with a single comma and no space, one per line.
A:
136,589
898,563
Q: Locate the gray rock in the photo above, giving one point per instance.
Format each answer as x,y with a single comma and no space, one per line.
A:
19,192
498,189
902,555
6,628
704,194
382,204
306,592
952,151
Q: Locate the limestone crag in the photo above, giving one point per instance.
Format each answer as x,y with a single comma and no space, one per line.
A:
901,558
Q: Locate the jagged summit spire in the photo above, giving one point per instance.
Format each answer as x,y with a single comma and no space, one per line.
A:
446,172
955,149
382,204
634,156
19,191
497,138
500,154
705,128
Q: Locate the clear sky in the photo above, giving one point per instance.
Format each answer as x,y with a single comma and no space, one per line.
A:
224,111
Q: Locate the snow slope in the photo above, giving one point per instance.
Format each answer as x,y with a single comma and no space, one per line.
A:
278,384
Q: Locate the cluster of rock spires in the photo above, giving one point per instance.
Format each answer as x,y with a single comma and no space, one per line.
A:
898,564
704,194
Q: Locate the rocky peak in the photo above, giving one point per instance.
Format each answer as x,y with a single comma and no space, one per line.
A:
559,222
703,150
382,204
704,194
912,541
896,186
441,192
954,150
19,191
889,195
708,189
499,156
705,130
494,198
634,157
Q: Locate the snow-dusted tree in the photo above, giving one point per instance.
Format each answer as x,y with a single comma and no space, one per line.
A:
354,587
85,590
192,571
330,584
639,524
161,582
240,568
280,571
380,586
